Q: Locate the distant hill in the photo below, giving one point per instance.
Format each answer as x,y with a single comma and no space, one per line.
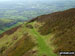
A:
44,35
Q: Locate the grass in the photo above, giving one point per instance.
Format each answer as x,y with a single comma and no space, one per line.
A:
22,46
5,20
42,45
7,28
8,40
17,47
1,31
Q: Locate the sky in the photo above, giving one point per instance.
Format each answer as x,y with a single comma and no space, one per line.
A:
30,0
4,0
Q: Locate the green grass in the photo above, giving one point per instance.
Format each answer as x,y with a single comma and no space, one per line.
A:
44,49
42,45
7,28
22,46
7,40
24,43
1,31
5,20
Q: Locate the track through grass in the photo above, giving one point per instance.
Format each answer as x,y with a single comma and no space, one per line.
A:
43,47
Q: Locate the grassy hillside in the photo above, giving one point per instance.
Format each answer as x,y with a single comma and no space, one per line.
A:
62,25
24,40
6,24
45,35
14,41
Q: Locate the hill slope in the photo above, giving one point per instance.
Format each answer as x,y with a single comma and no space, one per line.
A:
6,24
62,24
41,36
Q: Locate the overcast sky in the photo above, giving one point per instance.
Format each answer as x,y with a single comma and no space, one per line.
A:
4,0
36,0
30,0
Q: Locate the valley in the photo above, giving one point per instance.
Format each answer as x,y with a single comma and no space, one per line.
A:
20,11
6,24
